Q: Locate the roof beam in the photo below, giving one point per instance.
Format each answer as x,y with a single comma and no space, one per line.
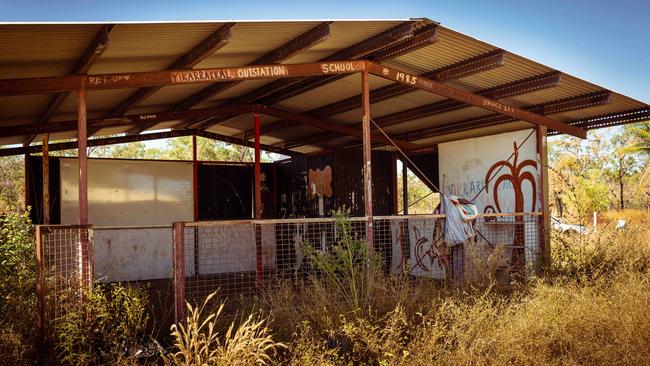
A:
304,41
64,126
95,49
439,88
558,106
198,53
609,120
127,120
357,51
467,67
329,126
144,137
519,87
423,37
175,77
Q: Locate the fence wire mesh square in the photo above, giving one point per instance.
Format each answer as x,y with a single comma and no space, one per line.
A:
240,257
64,263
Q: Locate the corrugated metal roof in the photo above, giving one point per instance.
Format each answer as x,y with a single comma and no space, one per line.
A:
42,50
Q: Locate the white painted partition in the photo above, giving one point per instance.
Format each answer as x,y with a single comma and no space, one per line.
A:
132,205
129,192
132,253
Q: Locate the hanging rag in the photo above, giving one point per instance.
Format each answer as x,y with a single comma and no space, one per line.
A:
460,215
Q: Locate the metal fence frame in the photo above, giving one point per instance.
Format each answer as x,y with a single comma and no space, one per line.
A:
56,270
186,238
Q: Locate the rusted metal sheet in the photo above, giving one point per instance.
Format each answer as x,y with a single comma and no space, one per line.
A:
470,98
175,77
319,182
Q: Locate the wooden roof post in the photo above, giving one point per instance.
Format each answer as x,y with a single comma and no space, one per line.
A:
46,180
82,136
367,156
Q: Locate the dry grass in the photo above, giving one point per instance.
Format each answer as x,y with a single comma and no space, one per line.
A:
590,308
198,341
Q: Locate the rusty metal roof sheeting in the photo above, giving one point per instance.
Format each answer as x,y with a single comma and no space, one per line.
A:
45,50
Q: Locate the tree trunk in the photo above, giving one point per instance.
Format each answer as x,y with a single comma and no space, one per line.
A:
622,205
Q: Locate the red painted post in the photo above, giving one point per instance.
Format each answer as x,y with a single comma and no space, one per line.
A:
543,197
405,188
367,155
259,264
27,201
40,286
82,140
46,180
195,172
179,272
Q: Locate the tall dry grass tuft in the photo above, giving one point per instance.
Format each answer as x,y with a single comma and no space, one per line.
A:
589,308
198,341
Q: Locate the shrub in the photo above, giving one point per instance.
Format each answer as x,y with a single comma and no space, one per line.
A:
198,341
99,326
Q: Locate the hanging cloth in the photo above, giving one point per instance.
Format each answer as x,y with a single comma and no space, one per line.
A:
460,215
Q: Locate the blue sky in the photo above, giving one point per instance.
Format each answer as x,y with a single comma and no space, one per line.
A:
605,42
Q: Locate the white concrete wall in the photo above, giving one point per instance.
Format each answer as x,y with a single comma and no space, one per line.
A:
130,254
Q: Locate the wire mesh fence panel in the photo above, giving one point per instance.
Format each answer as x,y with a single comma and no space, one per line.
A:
241,257
64,263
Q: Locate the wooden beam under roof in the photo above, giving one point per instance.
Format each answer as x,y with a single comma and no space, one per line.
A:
144,137
436,87
211,75
124,121
422,37
519,87
215,41
300,43
328,126
562,105
131,120
359,50
464,68
610,119
95,49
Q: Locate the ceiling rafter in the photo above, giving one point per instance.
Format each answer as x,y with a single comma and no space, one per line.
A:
208,46
464,68
58,146
519,87
304,41
562,105
609,120
423,37
357,51
91,54
300,43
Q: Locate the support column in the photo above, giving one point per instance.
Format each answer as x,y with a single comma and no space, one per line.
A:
82,137
543,193
82,141
258,171
46,180
195,181
27,198
405,188
195,188
367,156
259,260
